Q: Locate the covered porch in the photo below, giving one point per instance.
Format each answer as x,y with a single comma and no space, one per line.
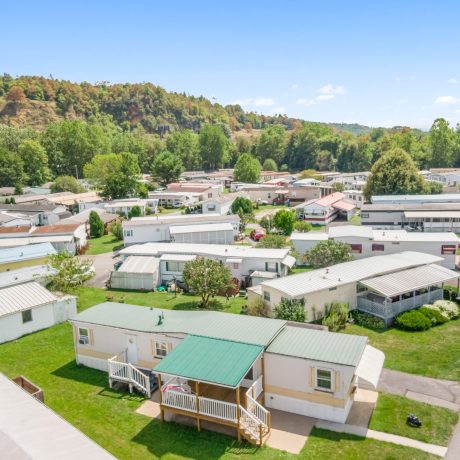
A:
389,295
216,381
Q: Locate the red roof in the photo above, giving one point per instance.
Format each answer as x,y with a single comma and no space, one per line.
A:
58,228
344,205
16,229
329,200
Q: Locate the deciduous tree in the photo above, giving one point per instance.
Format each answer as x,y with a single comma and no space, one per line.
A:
284,221
66,184
11,169
247,169
96,226
327,253
167,168
213,145
35,162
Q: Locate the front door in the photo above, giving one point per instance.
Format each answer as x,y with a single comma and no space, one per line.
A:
131,346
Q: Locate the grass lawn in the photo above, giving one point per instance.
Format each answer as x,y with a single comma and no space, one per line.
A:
89,296
106,243
355,220
433,353
81,395
391,412
300,269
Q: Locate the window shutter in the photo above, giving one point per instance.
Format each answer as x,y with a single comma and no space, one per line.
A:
337,381
154,347
91,337
170,347
266,266
312,377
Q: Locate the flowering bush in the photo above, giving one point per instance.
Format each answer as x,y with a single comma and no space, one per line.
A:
448,308
434,314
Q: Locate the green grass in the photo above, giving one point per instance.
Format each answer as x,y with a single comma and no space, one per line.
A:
390,415
90,296
81,395
433,353
265,207
106,243
300,269
356,220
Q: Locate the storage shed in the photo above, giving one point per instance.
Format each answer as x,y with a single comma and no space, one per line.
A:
136,273
221,233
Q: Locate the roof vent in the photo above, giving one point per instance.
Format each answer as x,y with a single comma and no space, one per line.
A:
160,320
327,270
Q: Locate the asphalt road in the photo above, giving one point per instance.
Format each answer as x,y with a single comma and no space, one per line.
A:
103,264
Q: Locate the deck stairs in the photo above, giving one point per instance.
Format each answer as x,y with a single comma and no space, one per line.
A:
139,379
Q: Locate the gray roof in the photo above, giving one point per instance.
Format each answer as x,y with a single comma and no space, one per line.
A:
385,207
83,217
228,326
24,296
319,345
31,430
180,229
441,198
349,272
26,274
189,219
26,252
139,264
409,280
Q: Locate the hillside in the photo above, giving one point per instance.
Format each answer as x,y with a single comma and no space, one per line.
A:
35,102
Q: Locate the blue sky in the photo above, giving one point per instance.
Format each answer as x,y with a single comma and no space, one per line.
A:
377,63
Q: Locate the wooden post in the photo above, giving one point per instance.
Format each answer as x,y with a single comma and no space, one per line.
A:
238,412
262,362
261,434
197,391
162,412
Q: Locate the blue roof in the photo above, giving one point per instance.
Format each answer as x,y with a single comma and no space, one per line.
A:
28,252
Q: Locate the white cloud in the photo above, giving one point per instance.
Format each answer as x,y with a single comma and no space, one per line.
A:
446,100
243,102
457,111
331,89
278,110
264,102
305,102
452,81
324,97
295,86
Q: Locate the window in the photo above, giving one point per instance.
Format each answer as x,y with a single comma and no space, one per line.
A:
209,195
271,266
27,316
211,207
249,375
333,288
267,296
172,266
161,349
128,233
395,242
448,249
83,336
356,248
378,247
324,379
235,266
365,215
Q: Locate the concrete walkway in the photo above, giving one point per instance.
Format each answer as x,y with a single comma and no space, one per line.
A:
380,436
437,392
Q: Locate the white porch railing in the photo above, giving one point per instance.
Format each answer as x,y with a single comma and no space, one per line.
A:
179,400
253,407
121,371
251,426
218,409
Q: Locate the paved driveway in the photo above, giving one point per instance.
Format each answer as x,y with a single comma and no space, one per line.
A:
103,264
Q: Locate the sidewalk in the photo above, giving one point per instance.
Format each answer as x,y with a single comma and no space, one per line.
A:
380,436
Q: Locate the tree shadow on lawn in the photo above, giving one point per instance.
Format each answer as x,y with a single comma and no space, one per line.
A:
162,438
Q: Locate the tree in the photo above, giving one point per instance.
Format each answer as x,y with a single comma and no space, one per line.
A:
284,221
309,174
241,205
66,184
258,308
96,226
71,271
167,168
338,186
272,242
328,252
267,222
441,140
213,146
184,144
35,161
11,169
269,165
206,278
336,316
98,170
394,173
123,180
271,144
247,169
291,310
16,95
135,212
302,226
116,229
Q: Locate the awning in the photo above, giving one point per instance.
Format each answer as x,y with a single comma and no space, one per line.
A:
344,205
214,361
289,261
233,260
409,280
371,365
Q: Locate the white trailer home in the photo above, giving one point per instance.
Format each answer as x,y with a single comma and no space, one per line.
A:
367,242
225,368
158,228
380,285
242,261
29,307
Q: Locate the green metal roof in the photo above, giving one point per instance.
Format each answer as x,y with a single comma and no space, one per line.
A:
215,361
319,345
228,326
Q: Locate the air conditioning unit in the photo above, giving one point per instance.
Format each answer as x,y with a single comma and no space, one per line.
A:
83,341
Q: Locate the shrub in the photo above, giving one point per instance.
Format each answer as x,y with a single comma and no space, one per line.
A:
434,314
336,316
448,308
291,310
366,320
450,292
258,308
302,226
116,230
412,321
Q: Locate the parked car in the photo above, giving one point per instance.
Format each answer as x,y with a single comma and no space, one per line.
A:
257,234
